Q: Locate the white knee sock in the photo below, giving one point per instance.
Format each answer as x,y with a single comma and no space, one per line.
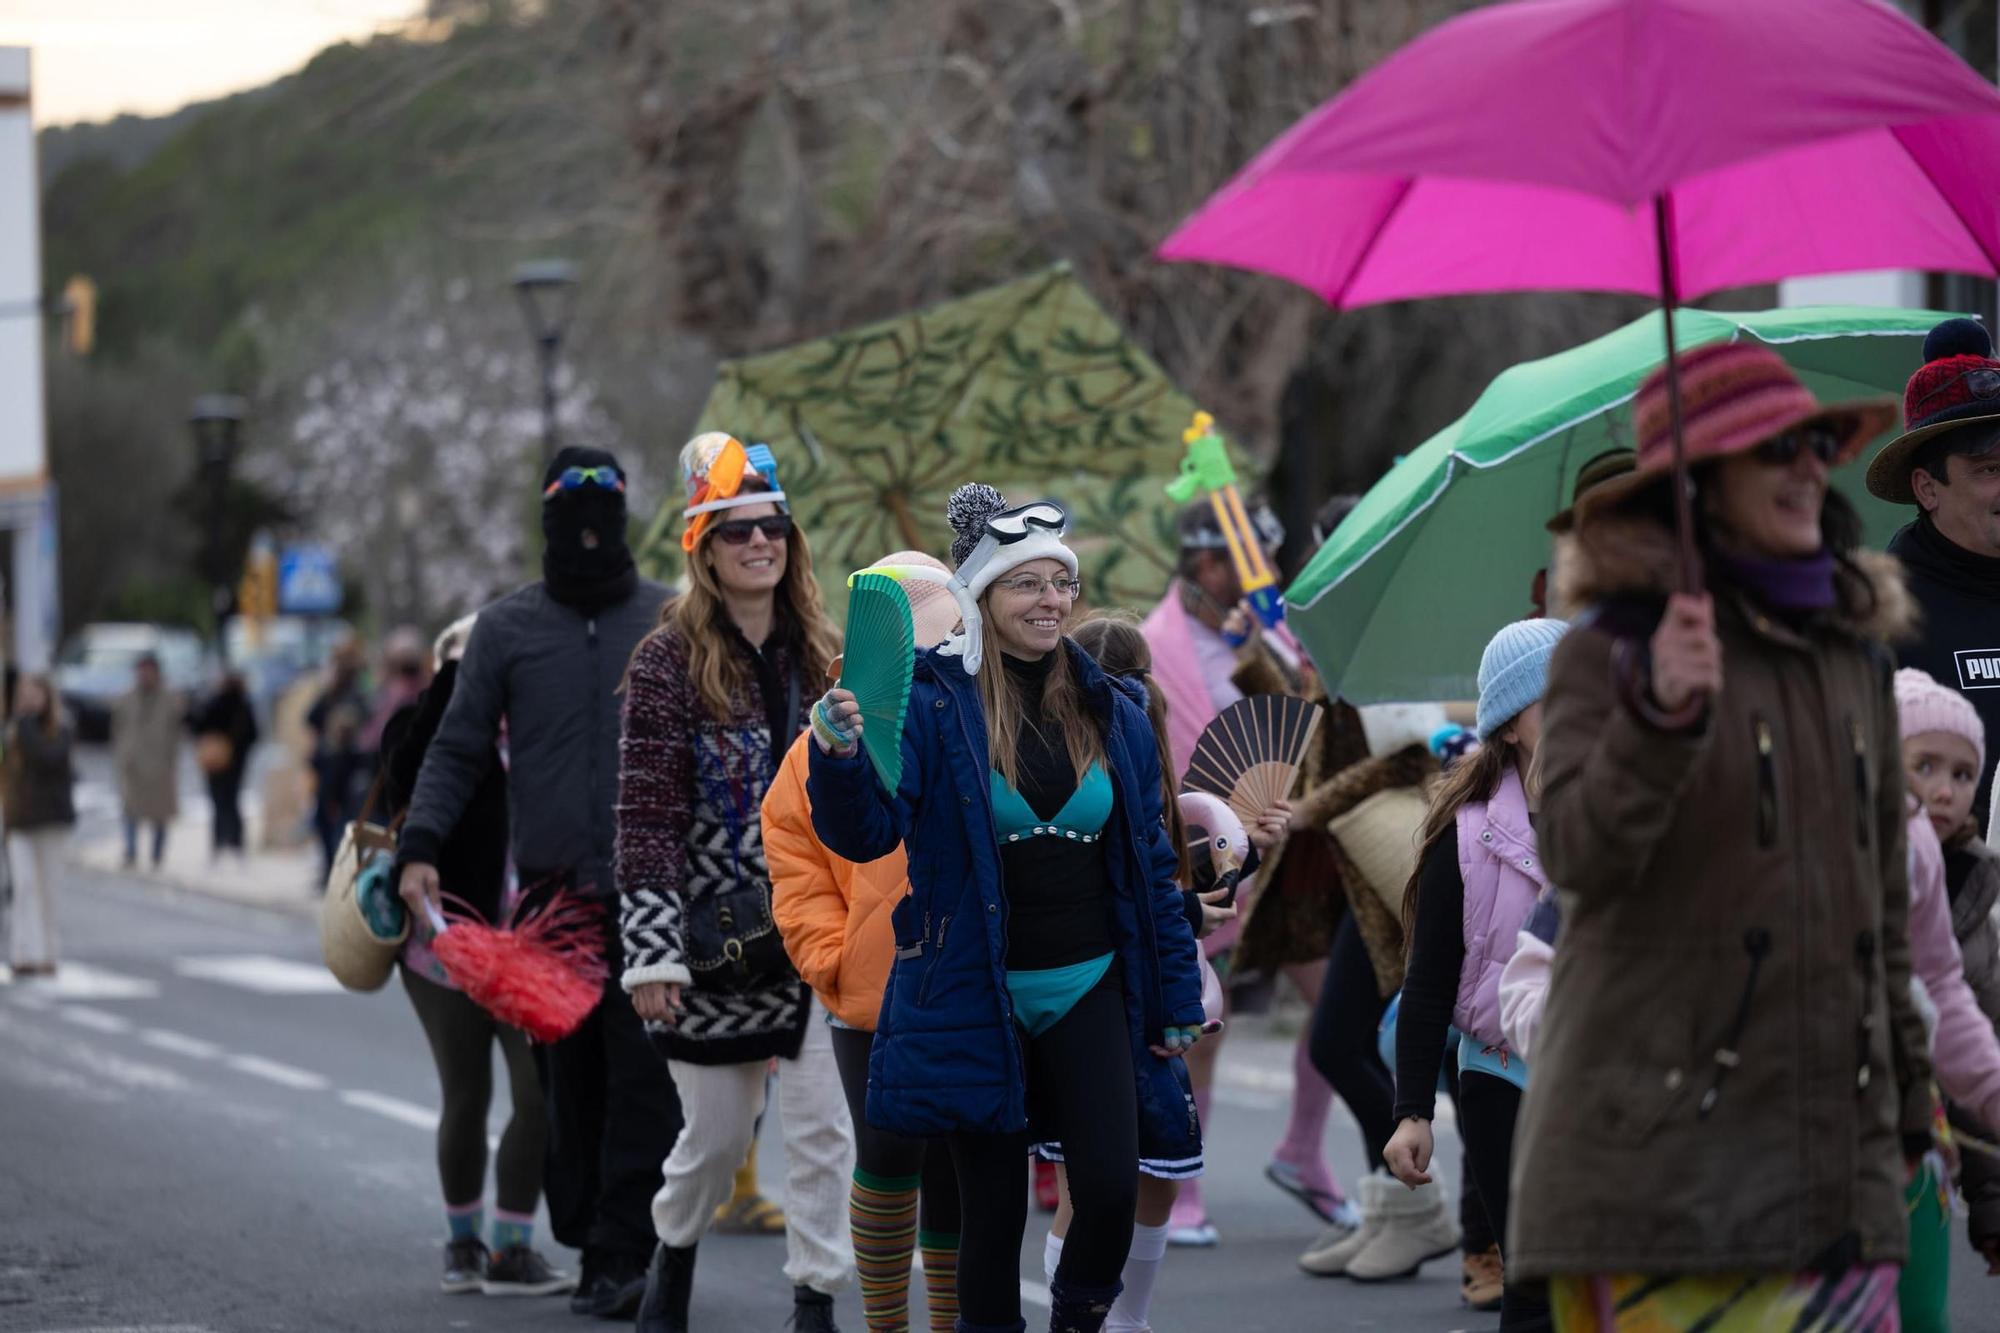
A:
1142,1268
1051,1256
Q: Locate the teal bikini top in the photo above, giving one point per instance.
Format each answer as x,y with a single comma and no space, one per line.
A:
1081,818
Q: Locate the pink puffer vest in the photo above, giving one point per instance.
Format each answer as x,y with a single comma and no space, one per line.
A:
1503,876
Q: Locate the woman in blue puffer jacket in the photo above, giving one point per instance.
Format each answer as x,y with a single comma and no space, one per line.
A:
1045,981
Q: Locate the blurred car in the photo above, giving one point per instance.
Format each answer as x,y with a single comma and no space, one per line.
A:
96,667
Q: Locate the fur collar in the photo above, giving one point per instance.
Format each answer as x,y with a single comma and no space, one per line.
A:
1622,556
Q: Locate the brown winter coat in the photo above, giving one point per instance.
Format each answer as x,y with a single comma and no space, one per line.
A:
146,738
1301,897
1776,827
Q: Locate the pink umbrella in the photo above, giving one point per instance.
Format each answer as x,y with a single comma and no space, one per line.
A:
1669,147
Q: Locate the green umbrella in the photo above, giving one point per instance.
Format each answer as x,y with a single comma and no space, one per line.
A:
1400,601
1029,386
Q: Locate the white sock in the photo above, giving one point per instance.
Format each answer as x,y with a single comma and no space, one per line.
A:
1130,1311
1051,1256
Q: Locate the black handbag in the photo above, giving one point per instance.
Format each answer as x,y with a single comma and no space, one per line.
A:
732,943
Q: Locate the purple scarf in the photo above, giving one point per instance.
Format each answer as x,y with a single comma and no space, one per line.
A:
1785,586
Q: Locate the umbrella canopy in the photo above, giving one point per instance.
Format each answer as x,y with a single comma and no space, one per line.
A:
1029,386
1401,599
1519,146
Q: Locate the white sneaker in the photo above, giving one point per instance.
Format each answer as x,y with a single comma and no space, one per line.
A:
1336,1246
1416,1227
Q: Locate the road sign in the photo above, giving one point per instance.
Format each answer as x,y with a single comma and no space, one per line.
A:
308,582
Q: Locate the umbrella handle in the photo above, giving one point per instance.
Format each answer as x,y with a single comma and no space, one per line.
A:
1632,684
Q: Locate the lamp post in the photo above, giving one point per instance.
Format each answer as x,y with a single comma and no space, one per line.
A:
547,289
217,421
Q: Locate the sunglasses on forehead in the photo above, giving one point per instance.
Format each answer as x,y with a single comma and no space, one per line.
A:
1981,383
575,478
1822,442
736,532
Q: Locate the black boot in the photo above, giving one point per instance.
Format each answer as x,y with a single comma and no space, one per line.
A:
1018,1326
1080,1309
812,1311
669,1284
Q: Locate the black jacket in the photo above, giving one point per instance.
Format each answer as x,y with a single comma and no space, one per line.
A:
228,714
1958,642
472,862
553,674
36,780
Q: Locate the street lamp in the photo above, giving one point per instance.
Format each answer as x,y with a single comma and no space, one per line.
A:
217,420
547,288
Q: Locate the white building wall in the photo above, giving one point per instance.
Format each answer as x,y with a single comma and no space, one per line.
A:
25,504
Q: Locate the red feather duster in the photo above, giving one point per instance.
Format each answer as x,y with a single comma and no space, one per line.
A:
544,974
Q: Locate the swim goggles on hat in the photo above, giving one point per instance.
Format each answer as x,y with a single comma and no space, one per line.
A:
575,478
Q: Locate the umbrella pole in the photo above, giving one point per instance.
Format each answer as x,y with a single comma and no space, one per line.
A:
1690,568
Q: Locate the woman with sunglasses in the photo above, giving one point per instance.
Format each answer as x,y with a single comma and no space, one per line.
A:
1731,1081
1045,982
713,698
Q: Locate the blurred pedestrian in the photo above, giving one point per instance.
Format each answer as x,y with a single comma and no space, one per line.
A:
36,782
1947,465
835,917
225,729
472,867
1743,1150
146,742
406,673
340,768
547,660
1478,879
1030,803
714,698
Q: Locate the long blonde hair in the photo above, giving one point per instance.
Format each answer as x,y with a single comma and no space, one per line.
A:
1063,705
700,617
1116,641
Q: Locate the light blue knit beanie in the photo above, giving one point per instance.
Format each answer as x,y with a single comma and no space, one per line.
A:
1514,671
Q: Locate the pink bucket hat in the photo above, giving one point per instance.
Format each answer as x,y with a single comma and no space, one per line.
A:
1923,705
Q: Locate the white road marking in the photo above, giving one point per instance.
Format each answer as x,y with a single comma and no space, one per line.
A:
393,1108
81,981
289,1076
94,1019
179,1043
261,973
1035,1293
135,1328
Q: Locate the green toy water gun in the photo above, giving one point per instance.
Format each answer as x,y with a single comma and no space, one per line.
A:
1207,468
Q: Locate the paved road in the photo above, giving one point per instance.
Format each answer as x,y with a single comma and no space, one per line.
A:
198,1136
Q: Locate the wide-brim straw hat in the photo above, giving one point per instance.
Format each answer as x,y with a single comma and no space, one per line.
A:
1380,837
1734,396
1958,385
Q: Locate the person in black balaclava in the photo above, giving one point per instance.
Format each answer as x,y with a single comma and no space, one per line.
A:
548,659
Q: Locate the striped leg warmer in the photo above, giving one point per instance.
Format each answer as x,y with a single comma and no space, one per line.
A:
940,1278
882,1213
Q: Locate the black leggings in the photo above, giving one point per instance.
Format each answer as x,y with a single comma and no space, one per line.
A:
892,1156
1343,1044
1080,1091
461,1036
1487,1109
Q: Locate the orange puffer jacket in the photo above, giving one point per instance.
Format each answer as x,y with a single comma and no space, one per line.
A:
833,913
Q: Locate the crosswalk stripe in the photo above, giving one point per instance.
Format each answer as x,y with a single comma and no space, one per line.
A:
179,1043
261,973
271,1071
94,1019
393,1108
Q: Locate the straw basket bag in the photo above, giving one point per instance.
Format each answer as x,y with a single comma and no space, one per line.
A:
362,924
1380,837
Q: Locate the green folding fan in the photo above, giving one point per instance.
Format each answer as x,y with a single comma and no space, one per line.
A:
880,652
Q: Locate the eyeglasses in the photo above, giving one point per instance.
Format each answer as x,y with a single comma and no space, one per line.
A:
1031,585
1822,442
1980,382
736,532
574,478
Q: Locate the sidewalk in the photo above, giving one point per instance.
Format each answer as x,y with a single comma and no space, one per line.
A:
285,881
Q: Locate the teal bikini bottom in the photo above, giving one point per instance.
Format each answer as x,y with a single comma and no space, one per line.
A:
1043,996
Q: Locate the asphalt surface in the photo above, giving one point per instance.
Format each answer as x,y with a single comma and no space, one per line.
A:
197,1135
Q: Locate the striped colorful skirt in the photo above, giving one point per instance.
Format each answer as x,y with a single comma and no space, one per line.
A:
1860,1300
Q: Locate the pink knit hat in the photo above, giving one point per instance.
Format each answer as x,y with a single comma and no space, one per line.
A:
1925,706
932,611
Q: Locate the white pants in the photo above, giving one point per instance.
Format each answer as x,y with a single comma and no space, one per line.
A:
35,856
720,1104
